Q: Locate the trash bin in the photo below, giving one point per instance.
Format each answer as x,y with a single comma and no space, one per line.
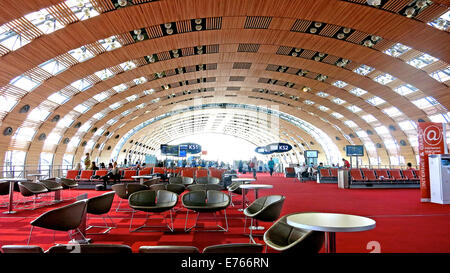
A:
343,179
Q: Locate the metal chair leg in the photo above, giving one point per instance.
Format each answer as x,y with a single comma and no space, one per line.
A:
107,227
29,236
146,226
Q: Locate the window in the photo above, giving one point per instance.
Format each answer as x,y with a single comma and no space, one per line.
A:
337,115
7,103
85,127
425,102
74,141
11,40
354,108
364,70
120,88
132,98
81,108
112,121
407,125
81,84
45,161
362,133
396,50
115,105
38,114
392,111
24,133
384,78
441,118
64,122
323,108
104,74
82,8
441,75
405,89
24,83
358,91
369,118
67,160
140,80
148,92
58,98
14,163
350,124
128,65
53,67
98,116
81,54
110,43
422,60
101,96
394,160
338,101
322,94
53,138
382,130
308,102
340,84
442,22
376,101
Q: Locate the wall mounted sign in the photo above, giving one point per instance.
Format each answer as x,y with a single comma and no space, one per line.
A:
273,148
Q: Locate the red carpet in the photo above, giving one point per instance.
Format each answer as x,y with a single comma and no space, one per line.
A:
404,224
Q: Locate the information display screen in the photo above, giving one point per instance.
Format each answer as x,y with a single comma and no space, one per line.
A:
170,150
354,150
311,153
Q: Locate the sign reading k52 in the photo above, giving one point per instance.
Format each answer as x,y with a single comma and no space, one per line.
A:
274,148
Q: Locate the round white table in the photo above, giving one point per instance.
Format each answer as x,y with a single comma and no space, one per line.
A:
36,175
330,223
245,180
11,191
142,177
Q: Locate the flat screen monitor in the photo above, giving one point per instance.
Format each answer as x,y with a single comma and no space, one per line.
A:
354,150
311,153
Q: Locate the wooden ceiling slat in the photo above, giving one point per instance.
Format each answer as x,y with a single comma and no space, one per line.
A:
183,26
63,14
432,12
396,5
125,38
154,32
357,37
301,25
329,30
102,6
24,28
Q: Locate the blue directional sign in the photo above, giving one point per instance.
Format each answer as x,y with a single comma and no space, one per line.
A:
273,148
192,148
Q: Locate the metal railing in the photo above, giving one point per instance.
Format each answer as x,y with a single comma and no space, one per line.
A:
22,171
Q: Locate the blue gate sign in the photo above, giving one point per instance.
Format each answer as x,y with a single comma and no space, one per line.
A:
273,148
192,148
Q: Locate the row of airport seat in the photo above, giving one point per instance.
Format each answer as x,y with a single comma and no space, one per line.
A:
363,175
387,176
126,174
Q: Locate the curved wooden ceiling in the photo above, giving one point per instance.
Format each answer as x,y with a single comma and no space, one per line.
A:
247,57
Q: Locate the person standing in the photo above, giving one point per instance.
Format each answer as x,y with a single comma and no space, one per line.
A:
254,165
346,163
87,162
271,165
